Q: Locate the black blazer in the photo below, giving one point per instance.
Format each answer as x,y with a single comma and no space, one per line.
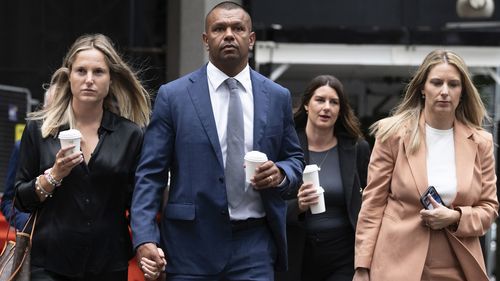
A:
354,157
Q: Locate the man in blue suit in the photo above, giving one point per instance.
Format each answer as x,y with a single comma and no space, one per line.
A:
204,234
15,217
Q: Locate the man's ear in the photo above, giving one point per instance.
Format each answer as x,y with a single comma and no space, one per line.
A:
204,38
251,40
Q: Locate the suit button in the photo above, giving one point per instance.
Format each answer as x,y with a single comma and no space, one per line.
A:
221,179
223,212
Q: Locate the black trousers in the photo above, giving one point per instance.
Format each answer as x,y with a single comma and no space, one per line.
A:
40,274
329,256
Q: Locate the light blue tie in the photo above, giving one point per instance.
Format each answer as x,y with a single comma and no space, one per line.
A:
235,138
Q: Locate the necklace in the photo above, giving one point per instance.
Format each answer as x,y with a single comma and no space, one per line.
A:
324,158
332,142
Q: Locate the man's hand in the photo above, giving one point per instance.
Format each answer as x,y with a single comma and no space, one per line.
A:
267,175
151,261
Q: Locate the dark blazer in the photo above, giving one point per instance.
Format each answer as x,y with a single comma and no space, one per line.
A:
354,157
182,139
15,217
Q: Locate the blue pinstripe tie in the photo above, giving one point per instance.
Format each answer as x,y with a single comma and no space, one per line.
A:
235,138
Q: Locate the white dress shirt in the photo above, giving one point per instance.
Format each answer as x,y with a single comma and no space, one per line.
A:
251,206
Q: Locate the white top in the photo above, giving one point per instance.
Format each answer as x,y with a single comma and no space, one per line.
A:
251,207
441,169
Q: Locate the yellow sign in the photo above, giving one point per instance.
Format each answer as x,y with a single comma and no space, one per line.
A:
19,131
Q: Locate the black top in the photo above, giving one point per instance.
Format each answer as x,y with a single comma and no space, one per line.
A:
354,156
335,218
83,228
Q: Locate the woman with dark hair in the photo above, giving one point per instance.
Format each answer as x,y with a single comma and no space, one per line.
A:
321,246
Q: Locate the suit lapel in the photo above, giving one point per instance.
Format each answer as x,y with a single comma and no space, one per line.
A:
347,159
260,107
417,161
465,154
200,96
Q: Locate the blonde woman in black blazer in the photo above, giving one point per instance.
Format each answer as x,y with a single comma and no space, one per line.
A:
321,246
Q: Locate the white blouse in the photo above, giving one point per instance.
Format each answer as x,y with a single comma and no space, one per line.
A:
441,169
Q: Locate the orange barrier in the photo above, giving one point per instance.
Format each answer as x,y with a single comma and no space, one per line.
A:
134,272
4,226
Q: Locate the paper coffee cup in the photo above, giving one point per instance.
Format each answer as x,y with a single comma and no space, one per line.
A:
319,207
311,175
253,159
70,137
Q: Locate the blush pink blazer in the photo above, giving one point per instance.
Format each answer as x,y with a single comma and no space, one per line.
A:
390,238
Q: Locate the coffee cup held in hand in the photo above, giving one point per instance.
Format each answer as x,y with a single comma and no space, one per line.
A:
311,175
319,207
69,138
253,159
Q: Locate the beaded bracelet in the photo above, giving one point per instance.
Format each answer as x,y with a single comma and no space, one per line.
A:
40,188
51,179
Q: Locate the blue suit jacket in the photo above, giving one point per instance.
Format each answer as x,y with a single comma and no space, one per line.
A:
15,217
182,138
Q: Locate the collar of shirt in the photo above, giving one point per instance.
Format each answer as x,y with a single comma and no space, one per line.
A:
219,97
216,78
108,123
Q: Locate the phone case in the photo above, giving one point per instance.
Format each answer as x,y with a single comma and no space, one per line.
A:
426,202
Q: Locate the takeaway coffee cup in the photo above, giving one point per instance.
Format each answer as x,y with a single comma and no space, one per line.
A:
70,137
253,159
311,175
319,207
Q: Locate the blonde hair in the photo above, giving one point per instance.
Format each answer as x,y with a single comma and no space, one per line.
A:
126,97
470,111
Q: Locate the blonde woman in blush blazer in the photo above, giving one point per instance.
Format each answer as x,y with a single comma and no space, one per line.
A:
433,138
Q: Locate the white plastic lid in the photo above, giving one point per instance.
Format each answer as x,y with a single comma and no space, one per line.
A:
319,190
256,156
311,168
70,134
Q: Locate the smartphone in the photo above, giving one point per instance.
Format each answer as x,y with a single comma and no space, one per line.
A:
426,202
